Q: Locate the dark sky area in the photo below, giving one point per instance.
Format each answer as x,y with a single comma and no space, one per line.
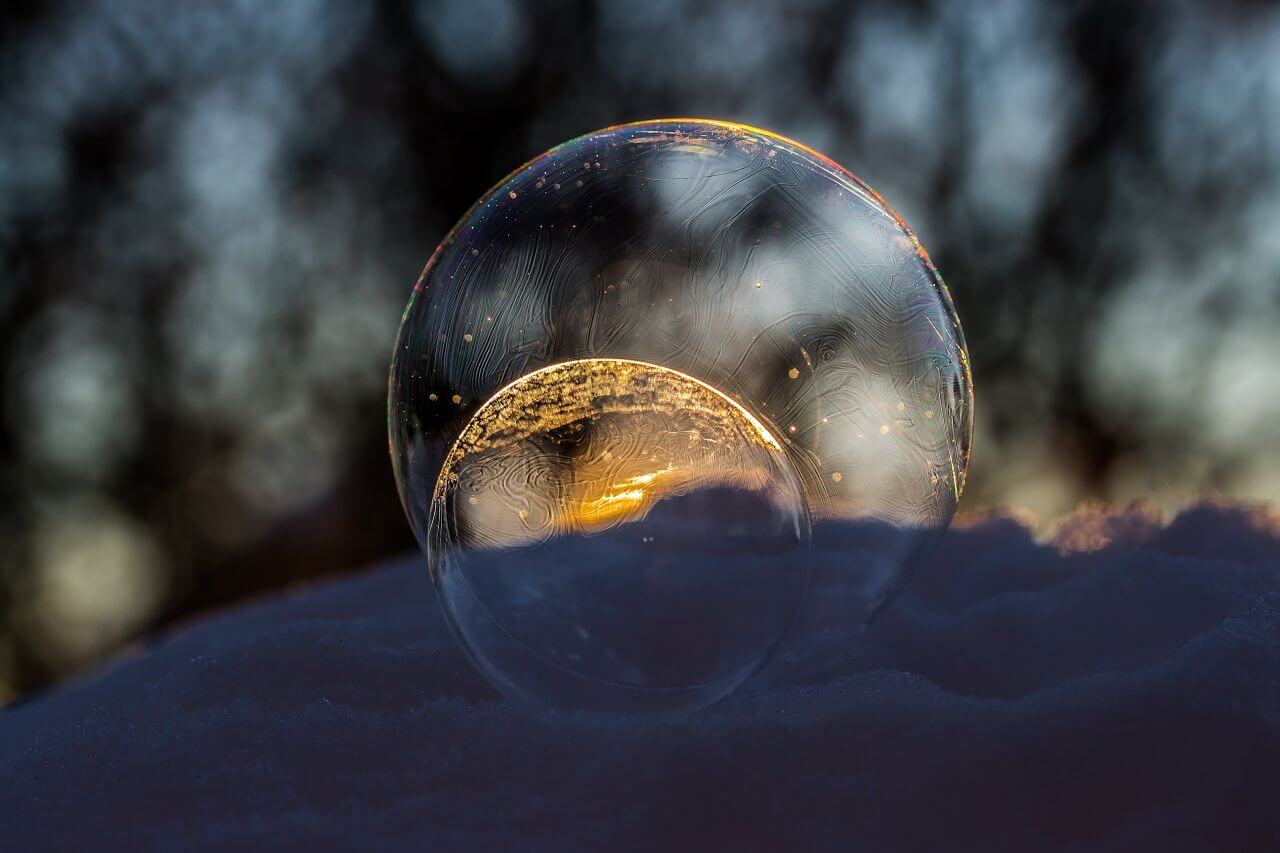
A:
211,216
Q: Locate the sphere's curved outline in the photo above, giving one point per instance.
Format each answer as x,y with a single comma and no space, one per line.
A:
673,130
436,522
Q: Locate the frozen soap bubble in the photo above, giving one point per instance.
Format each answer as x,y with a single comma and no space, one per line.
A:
649,384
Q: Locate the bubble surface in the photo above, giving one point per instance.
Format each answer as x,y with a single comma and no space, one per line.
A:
646,385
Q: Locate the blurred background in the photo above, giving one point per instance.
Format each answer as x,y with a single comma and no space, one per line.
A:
211,216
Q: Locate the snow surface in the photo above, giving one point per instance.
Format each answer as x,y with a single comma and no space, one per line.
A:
1014,697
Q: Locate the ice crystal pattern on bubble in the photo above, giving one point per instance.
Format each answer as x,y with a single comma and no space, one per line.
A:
646,385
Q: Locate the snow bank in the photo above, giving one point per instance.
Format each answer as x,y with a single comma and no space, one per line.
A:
1118,688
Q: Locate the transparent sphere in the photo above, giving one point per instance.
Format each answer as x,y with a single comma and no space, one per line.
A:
647,386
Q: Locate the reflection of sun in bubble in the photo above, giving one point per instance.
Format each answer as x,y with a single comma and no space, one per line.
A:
585,445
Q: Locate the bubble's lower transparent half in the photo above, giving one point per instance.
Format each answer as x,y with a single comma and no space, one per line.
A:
612,534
